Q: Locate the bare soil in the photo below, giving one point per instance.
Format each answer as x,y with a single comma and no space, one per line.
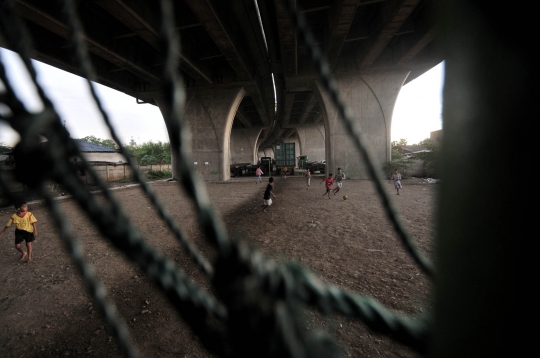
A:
45,310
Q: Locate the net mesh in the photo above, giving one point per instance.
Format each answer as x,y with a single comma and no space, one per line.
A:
255,305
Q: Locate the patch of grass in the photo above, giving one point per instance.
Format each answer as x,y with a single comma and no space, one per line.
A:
157,174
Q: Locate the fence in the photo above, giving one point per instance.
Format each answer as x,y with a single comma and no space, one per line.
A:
106,172
117,172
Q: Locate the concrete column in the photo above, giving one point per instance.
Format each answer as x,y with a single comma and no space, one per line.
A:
312,141
243,148
371,99
209,114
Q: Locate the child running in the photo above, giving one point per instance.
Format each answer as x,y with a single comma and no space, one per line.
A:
26,229
339,180
396,177
308,178
329,182
258,173
268,194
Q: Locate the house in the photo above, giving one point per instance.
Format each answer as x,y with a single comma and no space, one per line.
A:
411,149
436,136
98,153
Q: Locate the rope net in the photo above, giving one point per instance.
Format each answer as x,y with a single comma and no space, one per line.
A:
256,305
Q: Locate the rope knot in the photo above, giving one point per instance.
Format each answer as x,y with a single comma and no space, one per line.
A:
265,320
33,164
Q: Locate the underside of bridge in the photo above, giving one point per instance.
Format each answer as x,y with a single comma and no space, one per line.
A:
244,60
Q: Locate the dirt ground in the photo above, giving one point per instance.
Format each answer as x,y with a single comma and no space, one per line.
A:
45,310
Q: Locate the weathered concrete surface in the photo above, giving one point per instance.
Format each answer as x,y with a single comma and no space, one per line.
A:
266,152
243,146
208,114
371,99
312,141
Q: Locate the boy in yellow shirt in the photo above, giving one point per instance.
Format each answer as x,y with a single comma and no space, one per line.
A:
26,229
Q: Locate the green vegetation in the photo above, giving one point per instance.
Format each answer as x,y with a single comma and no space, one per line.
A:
148,153
431,158
401,142
398,161
156,174
5,148
104,142
404,163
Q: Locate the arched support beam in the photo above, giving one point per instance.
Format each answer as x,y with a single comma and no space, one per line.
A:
371,99
243,148
311,138
209,115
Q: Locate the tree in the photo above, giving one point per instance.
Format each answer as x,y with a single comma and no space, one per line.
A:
104,142
398,160
5,148
150,153
399,143
430,158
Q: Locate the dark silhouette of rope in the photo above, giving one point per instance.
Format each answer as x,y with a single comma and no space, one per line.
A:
88,71
258,307
330,84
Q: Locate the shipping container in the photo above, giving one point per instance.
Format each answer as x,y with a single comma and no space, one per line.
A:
285,155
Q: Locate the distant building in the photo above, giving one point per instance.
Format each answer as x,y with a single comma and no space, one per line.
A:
436,136
99,153
410,149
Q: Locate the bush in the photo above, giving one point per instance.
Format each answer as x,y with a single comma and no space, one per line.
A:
431,158
399,162
157,174
402,165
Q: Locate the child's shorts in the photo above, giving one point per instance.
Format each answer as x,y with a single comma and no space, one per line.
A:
23,235
397,185
268,202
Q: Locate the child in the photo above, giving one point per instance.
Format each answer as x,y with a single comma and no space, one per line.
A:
329,182
308,178
339,180
268,195
396,177
258,173
26,229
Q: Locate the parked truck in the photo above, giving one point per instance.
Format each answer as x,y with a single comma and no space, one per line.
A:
302,160
268,165
316,166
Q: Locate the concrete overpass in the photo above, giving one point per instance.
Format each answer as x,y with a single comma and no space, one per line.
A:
249,80
483,241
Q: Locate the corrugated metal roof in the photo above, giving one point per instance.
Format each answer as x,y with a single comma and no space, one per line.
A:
90,147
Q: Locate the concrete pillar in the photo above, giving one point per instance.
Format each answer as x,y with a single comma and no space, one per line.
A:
312,141
209,114
484,301
371,99
243,148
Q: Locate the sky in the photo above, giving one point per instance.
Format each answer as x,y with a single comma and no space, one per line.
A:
417,111
72,100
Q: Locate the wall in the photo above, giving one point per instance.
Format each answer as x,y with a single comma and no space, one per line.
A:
110,173
104,157
312,141
242,145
